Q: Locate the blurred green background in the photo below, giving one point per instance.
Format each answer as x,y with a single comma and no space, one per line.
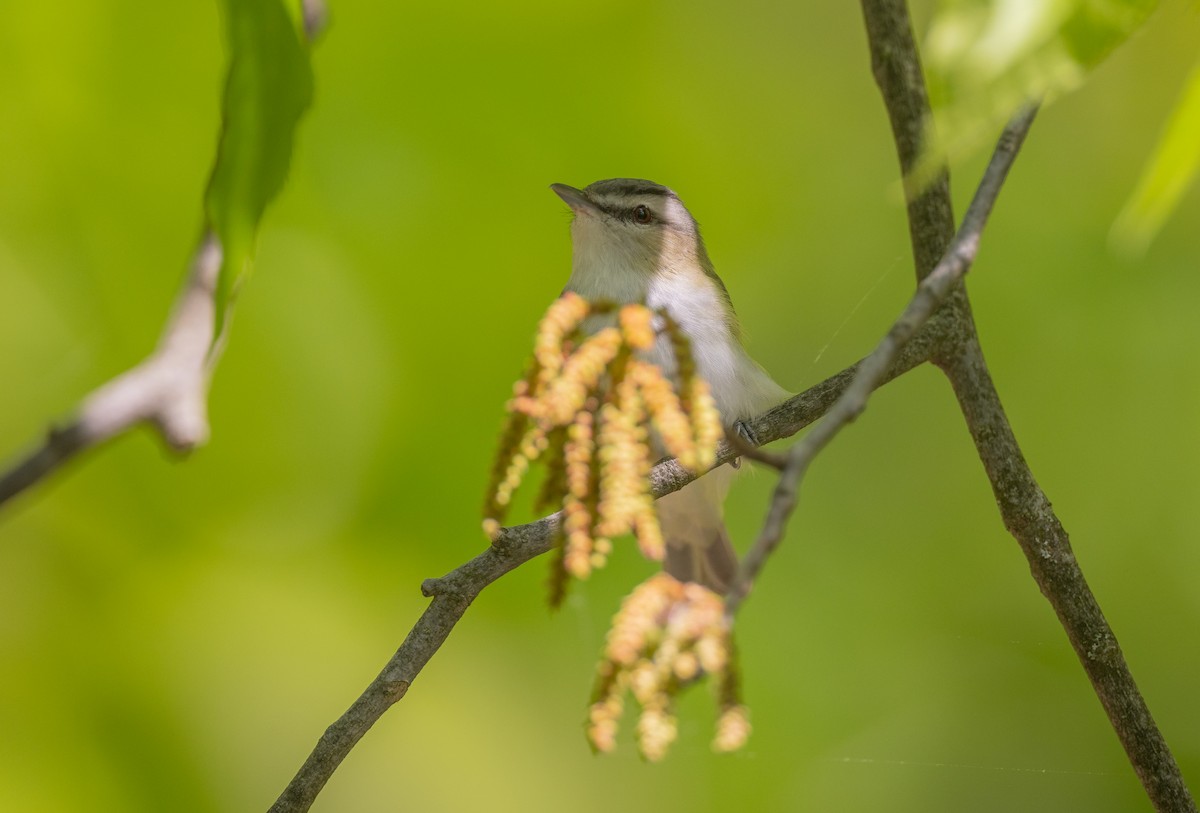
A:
176,635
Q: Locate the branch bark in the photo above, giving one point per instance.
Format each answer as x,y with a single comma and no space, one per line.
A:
168,390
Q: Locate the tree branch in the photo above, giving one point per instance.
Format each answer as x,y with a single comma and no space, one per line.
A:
169,389
453,593
1023,506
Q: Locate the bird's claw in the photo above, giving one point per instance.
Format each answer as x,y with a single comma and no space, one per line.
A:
743,429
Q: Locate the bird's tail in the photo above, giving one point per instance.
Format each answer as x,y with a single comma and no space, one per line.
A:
698,546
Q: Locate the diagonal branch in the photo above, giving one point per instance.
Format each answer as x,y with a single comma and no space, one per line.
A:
453,593
1026,511
169,389
931,293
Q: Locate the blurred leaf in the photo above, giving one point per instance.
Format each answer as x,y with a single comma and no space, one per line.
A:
1171,167
267,90
986,58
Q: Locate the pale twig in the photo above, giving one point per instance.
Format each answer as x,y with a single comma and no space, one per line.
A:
316,17
930,294
169,389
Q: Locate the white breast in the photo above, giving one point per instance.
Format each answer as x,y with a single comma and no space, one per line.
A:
740,387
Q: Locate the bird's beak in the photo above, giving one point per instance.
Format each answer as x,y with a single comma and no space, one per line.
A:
573,198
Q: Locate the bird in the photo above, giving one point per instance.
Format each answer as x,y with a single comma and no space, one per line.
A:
634,241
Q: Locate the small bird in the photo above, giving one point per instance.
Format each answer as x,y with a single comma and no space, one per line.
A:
634,241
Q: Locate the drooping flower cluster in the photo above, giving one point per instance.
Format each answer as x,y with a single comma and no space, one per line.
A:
586,406
666,635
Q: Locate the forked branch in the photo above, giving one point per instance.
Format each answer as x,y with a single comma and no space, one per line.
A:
1026,511
168,390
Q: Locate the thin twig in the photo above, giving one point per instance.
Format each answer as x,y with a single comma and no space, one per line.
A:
930,294
169,389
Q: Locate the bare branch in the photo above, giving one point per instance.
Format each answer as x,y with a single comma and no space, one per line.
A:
169,389
453,593
931,293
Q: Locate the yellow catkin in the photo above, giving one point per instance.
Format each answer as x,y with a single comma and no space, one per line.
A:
649,531
637,326
561,319
580,375
586,407
656,730
674,428
554,487
598,456
625,489
534,442
577,527
686,666
639,616
578,455
685,365
510,441
712,652
695,399
665,635
733,729
528,449
706,423
602,731
614,442
604,714
518,464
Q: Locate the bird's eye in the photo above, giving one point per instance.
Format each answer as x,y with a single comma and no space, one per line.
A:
642,214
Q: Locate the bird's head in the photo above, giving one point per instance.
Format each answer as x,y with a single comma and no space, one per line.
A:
625,232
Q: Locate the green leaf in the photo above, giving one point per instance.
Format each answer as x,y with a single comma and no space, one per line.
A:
1172,166
267,90
986,58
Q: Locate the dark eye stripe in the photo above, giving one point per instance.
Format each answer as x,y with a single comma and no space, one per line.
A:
623,211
